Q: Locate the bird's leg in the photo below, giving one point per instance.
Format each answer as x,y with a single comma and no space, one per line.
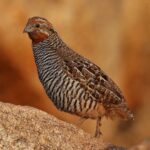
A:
80,121
98,125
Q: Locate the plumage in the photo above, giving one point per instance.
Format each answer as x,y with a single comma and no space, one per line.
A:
72,82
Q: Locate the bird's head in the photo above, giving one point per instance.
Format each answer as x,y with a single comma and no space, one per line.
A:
38,29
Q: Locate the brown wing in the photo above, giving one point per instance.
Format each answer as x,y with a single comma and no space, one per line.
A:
94,80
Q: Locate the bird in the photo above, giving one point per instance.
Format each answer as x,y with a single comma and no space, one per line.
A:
73,83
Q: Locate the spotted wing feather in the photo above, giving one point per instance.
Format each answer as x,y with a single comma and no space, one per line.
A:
93,78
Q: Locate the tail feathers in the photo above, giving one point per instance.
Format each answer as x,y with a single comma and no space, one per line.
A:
125,114
122,111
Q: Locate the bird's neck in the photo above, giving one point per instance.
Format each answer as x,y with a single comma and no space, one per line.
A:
55,42
46,55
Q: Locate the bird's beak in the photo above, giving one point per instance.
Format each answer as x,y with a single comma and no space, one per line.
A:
27,29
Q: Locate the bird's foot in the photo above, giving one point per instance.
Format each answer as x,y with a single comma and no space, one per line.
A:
98,134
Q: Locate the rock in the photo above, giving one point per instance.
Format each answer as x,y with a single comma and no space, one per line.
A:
27,128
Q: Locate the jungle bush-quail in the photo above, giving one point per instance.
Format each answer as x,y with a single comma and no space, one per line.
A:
72,82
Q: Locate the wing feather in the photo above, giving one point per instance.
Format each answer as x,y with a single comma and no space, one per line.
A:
94,79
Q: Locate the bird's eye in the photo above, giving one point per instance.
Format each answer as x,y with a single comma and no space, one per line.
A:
37,25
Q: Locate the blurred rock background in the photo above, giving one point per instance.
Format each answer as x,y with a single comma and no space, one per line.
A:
114,34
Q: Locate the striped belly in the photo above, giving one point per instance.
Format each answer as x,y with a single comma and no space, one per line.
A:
69,96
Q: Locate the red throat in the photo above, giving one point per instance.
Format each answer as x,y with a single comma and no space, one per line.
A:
37,36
